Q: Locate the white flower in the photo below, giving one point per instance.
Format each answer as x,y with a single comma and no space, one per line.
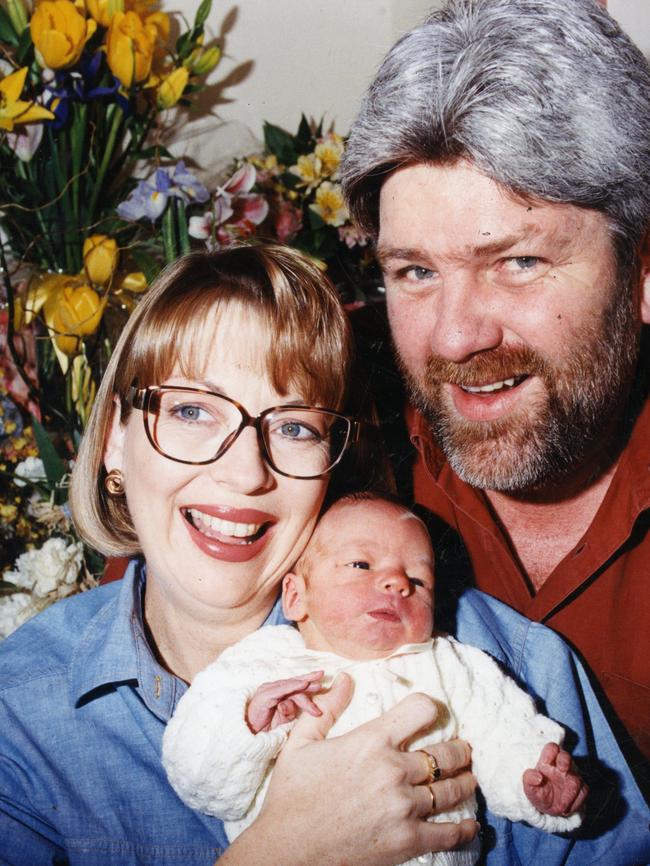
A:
31,469
53,568
15,609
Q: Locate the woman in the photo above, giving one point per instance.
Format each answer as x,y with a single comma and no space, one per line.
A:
207,458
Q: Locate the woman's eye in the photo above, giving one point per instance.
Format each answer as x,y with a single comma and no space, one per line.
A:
296,430
190,413
359,563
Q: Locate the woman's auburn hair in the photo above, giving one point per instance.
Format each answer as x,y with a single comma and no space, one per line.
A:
310,352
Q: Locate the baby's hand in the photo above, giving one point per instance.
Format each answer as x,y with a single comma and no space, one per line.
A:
555,787
278,702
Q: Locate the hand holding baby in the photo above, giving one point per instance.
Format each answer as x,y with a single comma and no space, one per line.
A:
554,787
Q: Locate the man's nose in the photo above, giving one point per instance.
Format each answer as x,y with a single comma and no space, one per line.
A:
466,319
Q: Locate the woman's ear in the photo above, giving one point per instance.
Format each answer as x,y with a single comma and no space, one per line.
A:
293,597
114,448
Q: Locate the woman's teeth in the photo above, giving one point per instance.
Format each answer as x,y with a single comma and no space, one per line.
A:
223,527
493,386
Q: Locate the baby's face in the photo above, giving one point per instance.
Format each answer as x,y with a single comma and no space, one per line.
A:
369,587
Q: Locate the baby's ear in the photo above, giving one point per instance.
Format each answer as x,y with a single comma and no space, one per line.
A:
293,597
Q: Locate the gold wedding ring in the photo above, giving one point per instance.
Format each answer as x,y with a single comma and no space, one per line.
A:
432,768
433,798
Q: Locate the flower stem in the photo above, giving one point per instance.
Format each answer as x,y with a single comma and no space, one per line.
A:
116,122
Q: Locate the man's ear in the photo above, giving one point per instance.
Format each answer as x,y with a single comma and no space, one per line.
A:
115,441
645,281
293,597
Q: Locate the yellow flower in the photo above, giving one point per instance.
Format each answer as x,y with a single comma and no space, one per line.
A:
134,282
308,169
59,33
14,110
330,205
171,88
73,310
330,151
83,388
129,47
100,258
203,60
101,10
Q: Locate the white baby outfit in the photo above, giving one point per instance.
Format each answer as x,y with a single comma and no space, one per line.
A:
219,767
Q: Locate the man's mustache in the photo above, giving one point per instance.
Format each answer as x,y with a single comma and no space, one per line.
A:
505,362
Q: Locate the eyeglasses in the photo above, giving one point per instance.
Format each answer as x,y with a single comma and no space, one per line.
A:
190,425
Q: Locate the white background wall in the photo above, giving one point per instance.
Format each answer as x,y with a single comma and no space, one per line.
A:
317,56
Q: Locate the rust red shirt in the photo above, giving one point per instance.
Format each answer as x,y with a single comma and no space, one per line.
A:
598,597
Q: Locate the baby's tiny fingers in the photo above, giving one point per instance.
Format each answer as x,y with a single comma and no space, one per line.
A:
305,703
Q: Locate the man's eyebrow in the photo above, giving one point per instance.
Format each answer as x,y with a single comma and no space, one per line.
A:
386,254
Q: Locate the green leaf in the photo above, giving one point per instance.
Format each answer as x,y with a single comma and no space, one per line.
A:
146,263
54,465
202,13
304,135
25,45
7,32
279,143
315,220
155,152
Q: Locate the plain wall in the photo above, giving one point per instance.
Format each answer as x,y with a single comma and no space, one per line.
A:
284,57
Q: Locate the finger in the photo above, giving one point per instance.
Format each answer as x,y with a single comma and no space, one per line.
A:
533,778
331,703
549,753
579,801
306,704
443,836
410,716
563,761
279,689
450,757
449,793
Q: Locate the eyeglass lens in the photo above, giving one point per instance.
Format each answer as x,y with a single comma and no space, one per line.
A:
197,427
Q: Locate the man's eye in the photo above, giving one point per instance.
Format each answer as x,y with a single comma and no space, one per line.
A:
418,273
521,263
359,563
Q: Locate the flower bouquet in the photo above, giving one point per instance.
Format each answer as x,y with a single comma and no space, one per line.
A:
290,193
84,98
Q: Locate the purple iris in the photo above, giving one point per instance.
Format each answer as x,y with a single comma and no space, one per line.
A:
81,85
149,199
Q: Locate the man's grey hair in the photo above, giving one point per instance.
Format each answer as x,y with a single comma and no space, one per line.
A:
547,97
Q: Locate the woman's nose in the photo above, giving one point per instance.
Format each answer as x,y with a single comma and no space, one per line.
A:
242,467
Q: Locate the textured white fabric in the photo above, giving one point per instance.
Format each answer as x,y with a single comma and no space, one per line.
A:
219,767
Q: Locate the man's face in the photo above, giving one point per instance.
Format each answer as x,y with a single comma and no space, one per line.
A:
516,342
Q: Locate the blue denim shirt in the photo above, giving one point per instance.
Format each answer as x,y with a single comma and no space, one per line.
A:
83,706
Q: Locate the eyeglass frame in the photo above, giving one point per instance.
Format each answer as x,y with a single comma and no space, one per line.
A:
140,398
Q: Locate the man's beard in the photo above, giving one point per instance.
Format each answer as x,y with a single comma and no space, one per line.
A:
541,444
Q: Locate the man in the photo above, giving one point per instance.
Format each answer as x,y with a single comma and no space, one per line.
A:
501,161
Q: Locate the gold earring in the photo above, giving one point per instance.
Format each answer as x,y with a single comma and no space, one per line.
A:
114,483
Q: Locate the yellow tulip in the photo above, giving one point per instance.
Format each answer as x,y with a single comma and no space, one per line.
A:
59,33
100,258
134,282
171,88
14,110
101,11
72,312
129,48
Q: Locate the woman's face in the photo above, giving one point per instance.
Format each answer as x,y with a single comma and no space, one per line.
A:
217,538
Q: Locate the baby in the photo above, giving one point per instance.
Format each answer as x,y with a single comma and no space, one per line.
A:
362,596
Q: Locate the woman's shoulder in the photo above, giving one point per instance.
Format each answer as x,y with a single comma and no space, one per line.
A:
46,644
